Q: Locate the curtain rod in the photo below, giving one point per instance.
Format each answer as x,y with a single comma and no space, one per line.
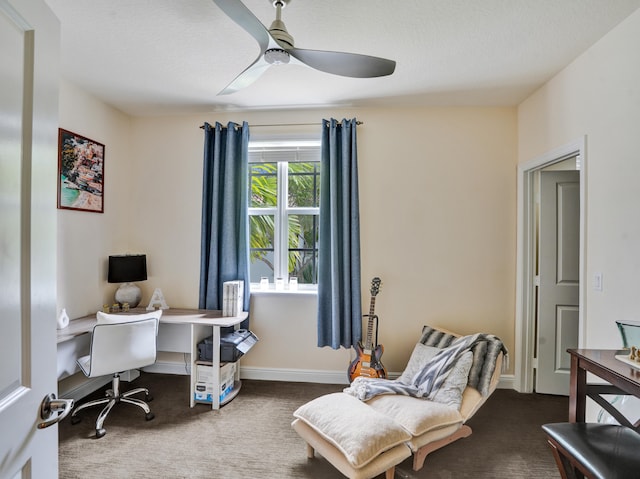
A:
358,122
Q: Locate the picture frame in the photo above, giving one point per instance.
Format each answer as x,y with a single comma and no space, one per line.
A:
80,172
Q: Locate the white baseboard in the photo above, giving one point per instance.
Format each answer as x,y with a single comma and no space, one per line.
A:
294,375
507,381
78,389
77,386
168,367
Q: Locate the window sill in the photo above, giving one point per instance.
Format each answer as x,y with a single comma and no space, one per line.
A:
301,291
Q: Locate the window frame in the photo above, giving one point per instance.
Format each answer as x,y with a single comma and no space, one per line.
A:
283,152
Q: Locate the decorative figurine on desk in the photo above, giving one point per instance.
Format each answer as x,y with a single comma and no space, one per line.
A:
635,354
157,301
63,319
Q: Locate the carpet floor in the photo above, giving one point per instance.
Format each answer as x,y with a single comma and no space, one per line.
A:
251,437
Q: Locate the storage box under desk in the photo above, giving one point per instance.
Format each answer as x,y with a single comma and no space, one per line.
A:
204,389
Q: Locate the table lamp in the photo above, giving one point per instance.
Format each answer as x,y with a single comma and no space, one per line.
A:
126,269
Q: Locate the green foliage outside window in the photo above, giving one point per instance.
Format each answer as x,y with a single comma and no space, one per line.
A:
303,192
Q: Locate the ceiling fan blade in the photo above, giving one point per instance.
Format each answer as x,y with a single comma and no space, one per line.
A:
344,64
239,13
247,77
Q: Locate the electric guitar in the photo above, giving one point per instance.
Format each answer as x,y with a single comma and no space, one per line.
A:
367,362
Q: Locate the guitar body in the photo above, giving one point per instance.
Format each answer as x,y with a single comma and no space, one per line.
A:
367,362
367,365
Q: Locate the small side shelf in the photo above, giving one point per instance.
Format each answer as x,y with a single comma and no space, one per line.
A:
236,389
200,331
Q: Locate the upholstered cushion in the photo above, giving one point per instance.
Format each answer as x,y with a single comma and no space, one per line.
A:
383,462
450,392
342,420
106,318
416,415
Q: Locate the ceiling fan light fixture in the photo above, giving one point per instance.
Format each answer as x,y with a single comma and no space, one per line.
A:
276,56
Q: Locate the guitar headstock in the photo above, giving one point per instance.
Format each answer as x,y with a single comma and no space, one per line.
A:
375,286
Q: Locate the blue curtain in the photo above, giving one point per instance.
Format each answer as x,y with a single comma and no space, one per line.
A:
225,220
339,303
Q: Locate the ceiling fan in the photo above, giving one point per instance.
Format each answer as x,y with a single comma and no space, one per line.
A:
276,47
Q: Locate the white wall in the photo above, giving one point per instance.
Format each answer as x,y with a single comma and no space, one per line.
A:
598,95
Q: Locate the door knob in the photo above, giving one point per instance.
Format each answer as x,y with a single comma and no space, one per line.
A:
50,405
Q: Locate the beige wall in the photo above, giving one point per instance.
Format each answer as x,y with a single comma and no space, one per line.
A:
437,195
85,239
598,96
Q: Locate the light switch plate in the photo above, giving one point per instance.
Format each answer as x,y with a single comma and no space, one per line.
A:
597,282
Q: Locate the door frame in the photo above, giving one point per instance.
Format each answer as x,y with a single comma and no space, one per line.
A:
525,338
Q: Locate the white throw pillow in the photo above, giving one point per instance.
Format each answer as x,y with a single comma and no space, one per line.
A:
451,390
106,318
420,356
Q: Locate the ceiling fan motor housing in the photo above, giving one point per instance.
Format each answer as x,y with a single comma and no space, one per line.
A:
279,32
276,56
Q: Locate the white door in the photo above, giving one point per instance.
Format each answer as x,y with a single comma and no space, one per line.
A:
559,273
29,59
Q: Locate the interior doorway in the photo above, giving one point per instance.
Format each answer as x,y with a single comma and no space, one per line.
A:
566,324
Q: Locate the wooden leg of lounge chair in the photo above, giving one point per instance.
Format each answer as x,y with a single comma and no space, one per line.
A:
390,473
310,452
421,454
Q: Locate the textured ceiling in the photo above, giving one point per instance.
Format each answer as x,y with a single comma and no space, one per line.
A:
156,57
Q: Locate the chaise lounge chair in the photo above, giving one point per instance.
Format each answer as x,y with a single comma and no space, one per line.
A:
363,439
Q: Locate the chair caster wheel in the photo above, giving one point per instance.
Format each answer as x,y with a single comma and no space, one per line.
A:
149,416
75,419
148,398
100,433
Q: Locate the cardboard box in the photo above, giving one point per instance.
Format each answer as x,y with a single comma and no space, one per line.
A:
204,382
204,373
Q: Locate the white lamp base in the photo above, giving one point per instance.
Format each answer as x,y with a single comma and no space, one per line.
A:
128,293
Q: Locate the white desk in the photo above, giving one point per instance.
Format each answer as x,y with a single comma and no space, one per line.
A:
198,323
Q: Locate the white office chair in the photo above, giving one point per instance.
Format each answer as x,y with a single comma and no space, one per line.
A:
119,343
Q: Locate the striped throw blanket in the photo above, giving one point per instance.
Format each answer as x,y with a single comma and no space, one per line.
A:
427,382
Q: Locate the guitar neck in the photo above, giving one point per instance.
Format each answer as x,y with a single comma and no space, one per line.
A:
372,307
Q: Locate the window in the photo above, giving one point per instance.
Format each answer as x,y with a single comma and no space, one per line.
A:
284,208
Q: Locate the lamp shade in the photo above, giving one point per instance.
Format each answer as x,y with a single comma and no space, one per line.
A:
127,268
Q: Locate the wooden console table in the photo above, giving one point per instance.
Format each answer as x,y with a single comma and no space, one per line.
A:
622,378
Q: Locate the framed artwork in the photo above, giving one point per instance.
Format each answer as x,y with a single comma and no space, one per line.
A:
80,173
